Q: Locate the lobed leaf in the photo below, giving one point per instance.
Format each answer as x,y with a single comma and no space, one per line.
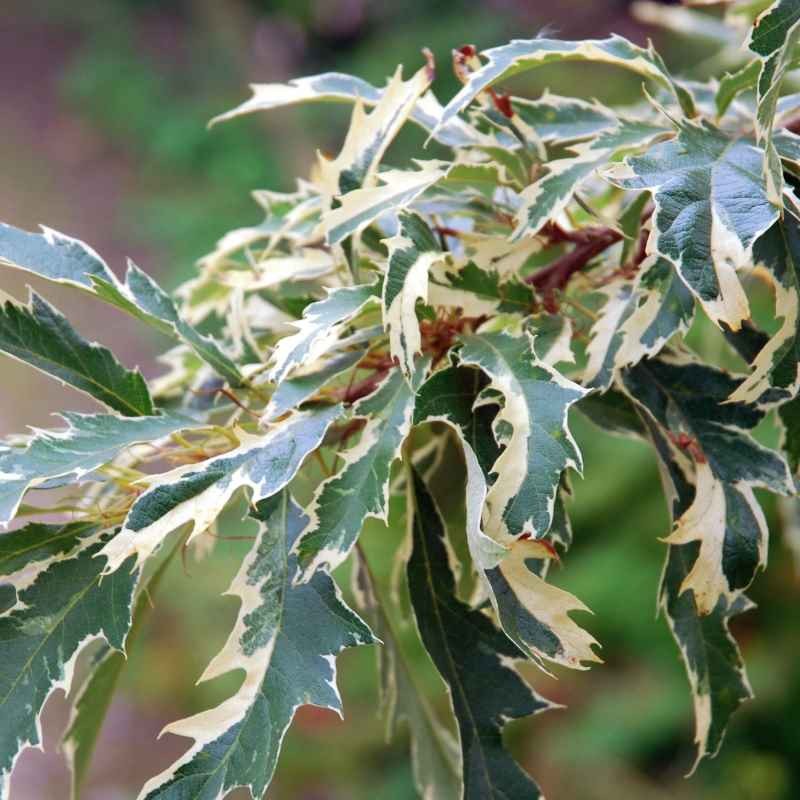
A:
285,638
88,442
65,608
41,336
196,493
474,659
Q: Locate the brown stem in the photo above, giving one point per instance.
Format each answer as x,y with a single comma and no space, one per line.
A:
589,242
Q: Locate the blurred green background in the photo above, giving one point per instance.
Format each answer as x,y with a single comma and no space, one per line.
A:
104,137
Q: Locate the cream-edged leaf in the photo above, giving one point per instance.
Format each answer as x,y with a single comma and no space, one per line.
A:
412,253
773,38
88,442
776,368
521,55
339,87
286,639
67,606
360,489
688,401
370,134
39,335
195,494
475,660
711,205
539,446
532,613
319,329
398,190
547,197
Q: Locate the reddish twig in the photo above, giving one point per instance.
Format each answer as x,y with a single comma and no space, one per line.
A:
589,242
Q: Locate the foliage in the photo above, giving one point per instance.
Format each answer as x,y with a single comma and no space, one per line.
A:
384,326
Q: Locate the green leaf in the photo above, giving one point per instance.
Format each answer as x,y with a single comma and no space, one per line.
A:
399,189
319,329
360,490
42,337
291,393
67,606
773,37
690,402
714,665
144,299
473,658
88,442
548,196
521,55
285,638
196,493
700,220
533,614
337,86
637,320
775,372
539,446
94,698
413,250
52,255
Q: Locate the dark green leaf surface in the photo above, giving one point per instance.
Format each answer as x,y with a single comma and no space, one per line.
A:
67,606
473,658
42,337
287,638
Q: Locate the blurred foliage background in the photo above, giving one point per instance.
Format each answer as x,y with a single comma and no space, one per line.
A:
104,137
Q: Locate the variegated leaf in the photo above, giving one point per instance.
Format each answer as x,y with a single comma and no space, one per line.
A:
360,489
532,425
548,196
63,609
773,37
474,659
478,290
196,493
336,86
88,441
637,320
701,220
292,392
52,255
713,662
564,119
733,84
62,259
319,329
521,55
412,253
776,365
533,614
688,401
144,299
286,639
93,699
41,336
399,189
370,134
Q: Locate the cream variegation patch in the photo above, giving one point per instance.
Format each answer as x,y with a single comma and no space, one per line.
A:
706,521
